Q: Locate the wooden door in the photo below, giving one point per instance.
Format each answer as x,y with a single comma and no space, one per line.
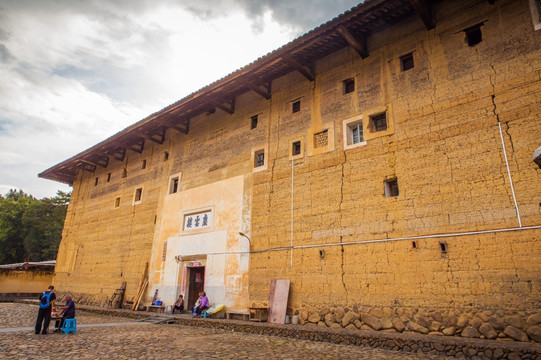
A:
197,284
279,294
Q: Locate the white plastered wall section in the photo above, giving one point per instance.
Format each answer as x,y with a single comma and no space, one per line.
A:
196,247
219,247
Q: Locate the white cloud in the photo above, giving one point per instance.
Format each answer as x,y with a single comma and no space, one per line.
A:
75,73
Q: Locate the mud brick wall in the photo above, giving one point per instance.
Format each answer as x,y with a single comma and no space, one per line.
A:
443,146
104,245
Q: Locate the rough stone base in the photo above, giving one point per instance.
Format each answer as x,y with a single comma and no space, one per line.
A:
407,341
480,324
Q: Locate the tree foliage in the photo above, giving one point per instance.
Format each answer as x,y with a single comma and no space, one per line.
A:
31,229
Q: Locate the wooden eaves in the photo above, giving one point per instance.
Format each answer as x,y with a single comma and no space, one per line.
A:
352,28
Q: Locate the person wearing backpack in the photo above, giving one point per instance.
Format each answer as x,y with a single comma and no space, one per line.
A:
44,313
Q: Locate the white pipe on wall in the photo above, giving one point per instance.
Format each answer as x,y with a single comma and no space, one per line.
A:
509,175
433,236
292,179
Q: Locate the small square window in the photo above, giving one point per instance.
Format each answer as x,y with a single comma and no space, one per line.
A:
96,182
443,247
173,185
296,106
295,148
474,35
259,158
406,62
349,86
321,139
117,202
144,164
138,195
253,121
108,177
165,156
391,188
379,122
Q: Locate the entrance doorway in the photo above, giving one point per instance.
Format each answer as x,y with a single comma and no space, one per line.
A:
196,284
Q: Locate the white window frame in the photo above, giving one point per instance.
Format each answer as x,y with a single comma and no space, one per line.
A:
347,132
170,184
299,155
255,152
137,202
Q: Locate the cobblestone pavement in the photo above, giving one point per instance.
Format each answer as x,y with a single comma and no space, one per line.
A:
162,342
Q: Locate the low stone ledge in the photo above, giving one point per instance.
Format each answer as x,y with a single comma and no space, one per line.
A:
407,342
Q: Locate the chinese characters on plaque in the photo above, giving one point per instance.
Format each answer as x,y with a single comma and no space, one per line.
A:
199,220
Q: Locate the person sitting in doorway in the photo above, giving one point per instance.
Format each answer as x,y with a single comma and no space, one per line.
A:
197,302
68,312
179,305
203,304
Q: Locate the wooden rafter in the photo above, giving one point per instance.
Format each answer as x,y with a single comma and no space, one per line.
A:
93,163
359,45
425,12
266,92
152,136
100,160
115,154
129,146
86,166
169,124
228,109
290,60
65,177
187,124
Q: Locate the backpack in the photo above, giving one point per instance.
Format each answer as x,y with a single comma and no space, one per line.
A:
45,300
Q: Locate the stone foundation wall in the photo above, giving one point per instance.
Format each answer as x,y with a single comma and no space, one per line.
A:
482,324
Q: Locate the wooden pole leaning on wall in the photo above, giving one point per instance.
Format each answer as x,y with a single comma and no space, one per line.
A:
141,288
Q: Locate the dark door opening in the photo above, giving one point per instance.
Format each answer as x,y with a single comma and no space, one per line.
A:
197,284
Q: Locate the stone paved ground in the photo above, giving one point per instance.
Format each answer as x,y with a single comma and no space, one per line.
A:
173,341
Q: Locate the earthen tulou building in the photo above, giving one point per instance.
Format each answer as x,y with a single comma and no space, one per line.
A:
381,162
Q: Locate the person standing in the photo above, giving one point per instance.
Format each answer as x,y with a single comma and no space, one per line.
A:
44,313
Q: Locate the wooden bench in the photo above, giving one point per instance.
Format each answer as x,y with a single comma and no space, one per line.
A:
245,315
155,308
259,313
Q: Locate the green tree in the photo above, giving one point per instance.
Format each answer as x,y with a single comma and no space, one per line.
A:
30,228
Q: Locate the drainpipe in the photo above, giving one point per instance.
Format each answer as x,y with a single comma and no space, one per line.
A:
292,182
509,174
537,156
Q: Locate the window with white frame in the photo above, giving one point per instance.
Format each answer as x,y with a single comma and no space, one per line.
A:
138,196
259,158
353,131
174,184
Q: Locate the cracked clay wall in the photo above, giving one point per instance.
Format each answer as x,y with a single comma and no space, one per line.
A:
442,145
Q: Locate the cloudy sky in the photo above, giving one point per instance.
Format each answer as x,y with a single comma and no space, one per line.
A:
74,72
